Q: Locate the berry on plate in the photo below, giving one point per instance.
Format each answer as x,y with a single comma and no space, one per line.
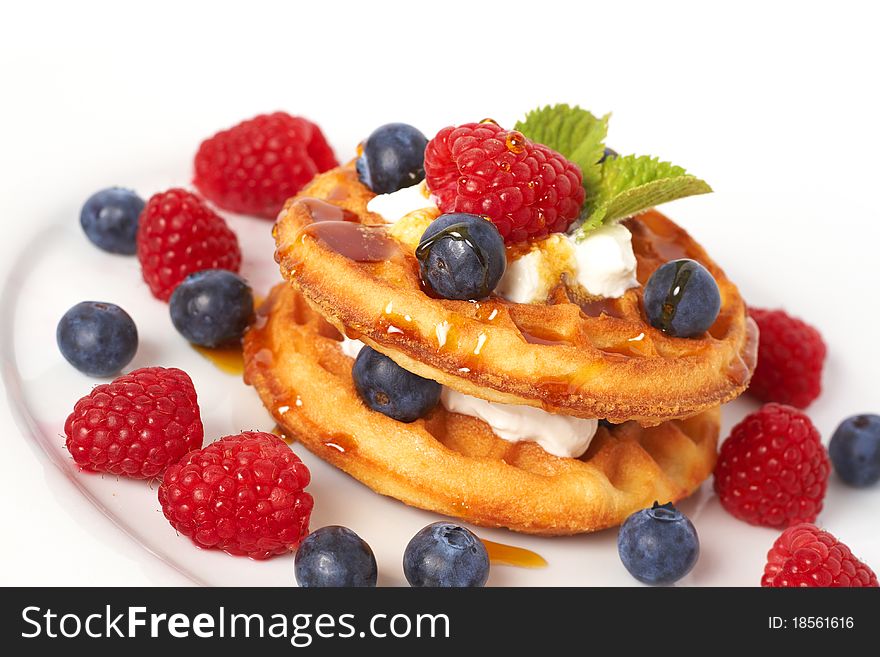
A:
212,307
393,158
242,494
773,470
855,450
445,555
525,188
110,219
658,545
178,235
97,338
461,256
255,166
137,425
807,556
334,556
682,299
791,354
386,387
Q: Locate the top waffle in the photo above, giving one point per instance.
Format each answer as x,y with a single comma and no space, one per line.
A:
589,357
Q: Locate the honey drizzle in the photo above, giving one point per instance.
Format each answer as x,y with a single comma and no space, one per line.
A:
340,442
229,358
340,230
321,211
278,431
636,346
600,307
354,241
510,555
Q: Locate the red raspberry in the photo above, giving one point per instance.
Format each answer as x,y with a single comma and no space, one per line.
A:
242,494
255,166
804,555
790,358
526,189
137,425
773,470
178,235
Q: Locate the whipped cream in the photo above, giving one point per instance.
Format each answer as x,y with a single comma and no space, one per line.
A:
351,348
530,277
603,264
560,435
397,205
606,264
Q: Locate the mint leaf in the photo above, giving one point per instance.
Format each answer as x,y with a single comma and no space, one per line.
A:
633,183
619,187
573,132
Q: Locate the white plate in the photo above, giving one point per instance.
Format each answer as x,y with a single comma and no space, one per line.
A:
58,267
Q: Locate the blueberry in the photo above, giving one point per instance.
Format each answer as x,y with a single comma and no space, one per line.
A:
658,545
444,554
608,154
389,389
211,307
461,256
110,219
334,556
97,338
393,158
682,299
855,450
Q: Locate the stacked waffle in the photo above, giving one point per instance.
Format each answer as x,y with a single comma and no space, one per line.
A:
346,277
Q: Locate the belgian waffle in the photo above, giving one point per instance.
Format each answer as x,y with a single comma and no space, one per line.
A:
577,355
454,464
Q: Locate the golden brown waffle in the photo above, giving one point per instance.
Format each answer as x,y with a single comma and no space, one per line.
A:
455,464
589,357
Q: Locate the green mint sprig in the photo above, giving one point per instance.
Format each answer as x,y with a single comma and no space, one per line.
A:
618,187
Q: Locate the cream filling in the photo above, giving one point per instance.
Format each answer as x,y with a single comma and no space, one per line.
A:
560,435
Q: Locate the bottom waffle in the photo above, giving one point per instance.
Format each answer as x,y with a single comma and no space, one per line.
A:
454,464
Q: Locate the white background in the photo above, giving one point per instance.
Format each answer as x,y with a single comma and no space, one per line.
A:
775,104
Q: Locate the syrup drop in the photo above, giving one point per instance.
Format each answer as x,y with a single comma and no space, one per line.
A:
569,384
544,335
321,211
635,346
393,323
227,359
342,443
677,288
600,307
278,431
509,555
531,338
515,142
487,311
354,241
